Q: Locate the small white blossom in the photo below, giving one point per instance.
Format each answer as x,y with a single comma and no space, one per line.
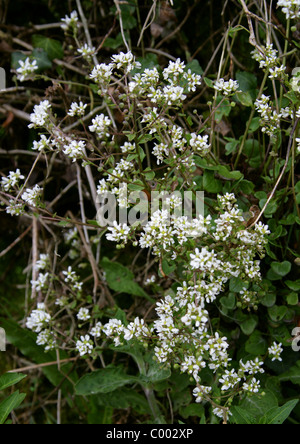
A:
31,196
75,150
86,51
97,330
84,346
12,180
100,125
77,109
70,22
200,144
226,88
118,233
291,8
41,282
83,314
40,116
46,337
275,351
43,144
38,319
26,69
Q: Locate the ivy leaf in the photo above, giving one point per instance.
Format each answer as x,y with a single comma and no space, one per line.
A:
52,47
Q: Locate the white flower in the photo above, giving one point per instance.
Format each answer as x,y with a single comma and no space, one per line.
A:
267,57
275,351
70,275
97,330
87,51
125,61
83,314
75,150
12,180
77,109
31,196
252,387
69,22
227,88
38,319
46,337
26,69
42,145
229,380
84,346
100,125
200,391
40,116
174,69
205,261
200,144
15,209
41,282
118,233
291,8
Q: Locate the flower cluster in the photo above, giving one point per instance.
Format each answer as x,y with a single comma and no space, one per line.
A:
12,180
41,115
70,22
228,88
291,8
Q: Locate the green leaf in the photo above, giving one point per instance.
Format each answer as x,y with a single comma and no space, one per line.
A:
208,82
281,268
52,47
247,83
167,267
229,301
256,344
277,415
244,98
120,279
293,374
277,312
269,300
42,59
10,404
236,285
129,21
231,145
210,183
293,298
223,110
258,404
293,285
10,379
241,416
254,125
105,380
249,325
234,175
195,67
157,372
